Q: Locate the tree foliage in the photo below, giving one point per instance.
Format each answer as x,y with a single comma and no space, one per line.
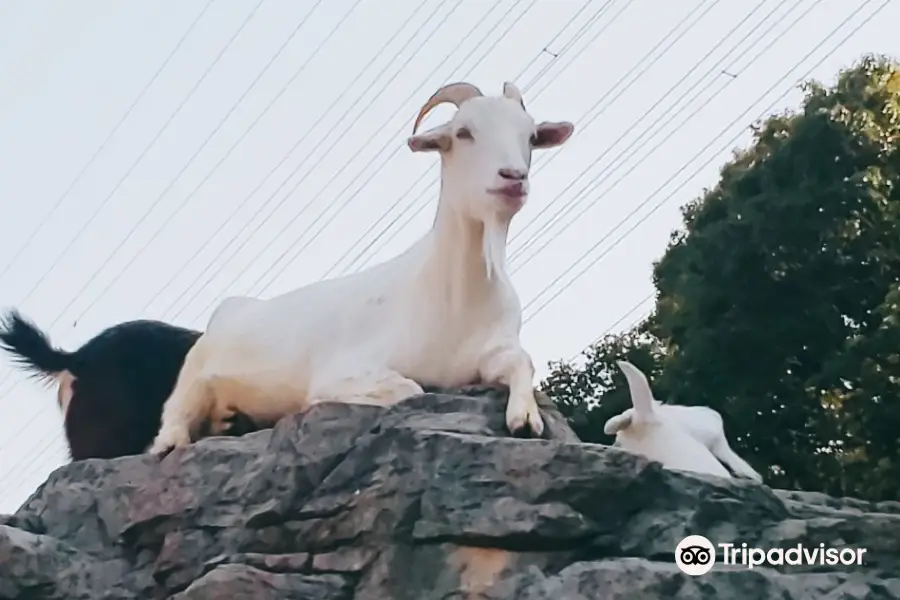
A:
778,302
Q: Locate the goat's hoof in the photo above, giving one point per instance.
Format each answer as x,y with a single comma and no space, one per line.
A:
525,432
163,453
168,440
526,423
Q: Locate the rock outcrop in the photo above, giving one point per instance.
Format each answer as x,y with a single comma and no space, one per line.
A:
429,499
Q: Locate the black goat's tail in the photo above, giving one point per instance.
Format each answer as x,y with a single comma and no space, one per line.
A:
30,347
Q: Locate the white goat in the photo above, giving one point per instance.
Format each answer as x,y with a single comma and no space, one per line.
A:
688,438
443,313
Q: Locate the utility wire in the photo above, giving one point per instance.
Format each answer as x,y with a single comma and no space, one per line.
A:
109,136
362,146
639,142
583,126
137,161
262,288
700,153
572,41
546,49
34,417
207,243
247,90
300,249
391,141
421,199
713,157
615,324
374,224
253,83
197,152
236,249
664,45
143,153
49,445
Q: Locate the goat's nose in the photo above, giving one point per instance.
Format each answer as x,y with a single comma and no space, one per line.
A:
514,174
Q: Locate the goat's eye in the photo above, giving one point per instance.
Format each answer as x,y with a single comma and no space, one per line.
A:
533,140
463,133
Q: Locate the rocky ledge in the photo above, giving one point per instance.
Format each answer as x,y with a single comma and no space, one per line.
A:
429,499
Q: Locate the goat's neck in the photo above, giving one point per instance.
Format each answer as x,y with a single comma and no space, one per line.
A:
466,257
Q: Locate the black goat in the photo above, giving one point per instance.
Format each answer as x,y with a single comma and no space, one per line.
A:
112,389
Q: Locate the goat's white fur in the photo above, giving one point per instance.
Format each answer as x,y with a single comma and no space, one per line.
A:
64,392
688,438
443,313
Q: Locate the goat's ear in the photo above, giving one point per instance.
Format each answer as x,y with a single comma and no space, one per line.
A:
616,424
550,135
639,388
436,139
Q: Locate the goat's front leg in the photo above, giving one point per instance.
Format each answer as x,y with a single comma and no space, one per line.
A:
187,406
183,412
510,365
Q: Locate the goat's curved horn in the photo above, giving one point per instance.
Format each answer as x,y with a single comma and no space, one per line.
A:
454,93
511,91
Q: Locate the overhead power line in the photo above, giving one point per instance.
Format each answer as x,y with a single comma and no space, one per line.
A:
42,451
664,119
35,456
615,324
92,278
700,168
106,141
144,152
258,287
34,417
421,199
303,20
336,138
244,202
197,152
489,34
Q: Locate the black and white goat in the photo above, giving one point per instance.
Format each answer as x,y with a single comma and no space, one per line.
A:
111,390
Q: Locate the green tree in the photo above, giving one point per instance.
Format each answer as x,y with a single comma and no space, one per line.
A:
777,302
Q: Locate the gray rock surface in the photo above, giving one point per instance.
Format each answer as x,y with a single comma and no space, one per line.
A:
429,499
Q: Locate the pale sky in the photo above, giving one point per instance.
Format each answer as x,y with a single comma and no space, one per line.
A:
243,117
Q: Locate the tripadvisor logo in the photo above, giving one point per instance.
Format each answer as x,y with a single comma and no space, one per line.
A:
696,555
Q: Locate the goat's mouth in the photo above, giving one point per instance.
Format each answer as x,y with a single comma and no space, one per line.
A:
512,195
512,190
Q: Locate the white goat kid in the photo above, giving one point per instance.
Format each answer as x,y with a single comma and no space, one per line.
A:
687,438
443,313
